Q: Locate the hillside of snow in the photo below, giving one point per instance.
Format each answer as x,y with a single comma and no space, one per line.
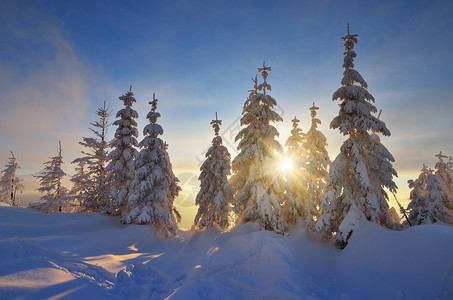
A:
77,256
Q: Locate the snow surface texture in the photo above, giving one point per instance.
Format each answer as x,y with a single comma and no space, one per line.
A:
91,256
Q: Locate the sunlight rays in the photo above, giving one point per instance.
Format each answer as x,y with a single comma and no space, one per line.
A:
286,165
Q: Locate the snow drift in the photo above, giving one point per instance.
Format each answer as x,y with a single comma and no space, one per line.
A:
72,256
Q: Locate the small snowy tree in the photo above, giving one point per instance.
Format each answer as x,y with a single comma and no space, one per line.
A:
80,194
96,193
10,184
121,167
445,180
357,177
215,193
295,174
394,215
317,163
257,183
155,186
427,200
50,178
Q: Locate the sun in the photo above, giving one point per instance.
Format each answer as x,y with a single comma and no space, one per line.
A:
286,164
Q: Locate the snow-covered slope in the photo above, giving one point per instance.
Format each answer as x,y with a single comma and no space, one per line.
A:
76,256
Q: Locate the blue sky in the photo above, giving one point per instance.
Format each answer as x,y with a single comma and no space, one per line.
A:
60,59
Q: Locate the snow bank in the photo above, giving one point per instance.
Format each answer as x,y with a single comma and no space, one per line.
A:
93,256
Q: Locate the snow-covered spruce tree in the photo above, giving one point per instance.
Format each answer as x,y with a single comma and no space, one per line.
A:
359,174
394,215
295,174
416,194
81,190
317,163
445,180
256,178
121,168
215,193
55,194
155,186
427,200
97,195
10,184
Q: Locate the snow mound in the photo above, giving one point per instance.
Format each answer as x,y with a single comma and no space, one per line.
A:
72,256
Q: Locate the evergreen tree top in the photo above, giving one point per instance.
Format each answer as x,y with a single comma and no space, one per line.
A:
12,164
440,156
255,86
314,121
349,40
153,103
128,98
13,158
313,110
296,137
216,125
424,169
103,113
295,122
264,86
350,75
153,115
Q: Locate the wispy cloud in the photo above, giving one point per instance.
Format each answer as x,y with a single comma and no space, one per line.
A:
43,100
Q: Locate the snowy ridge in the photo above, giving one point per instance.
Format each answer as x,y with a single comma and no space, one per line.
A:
93,256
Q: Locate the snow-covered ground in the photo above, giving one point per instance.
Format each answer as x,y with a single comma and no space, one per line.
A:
90,256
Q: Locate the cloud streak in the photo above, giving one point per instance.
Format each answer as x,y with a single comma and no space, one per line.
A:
44,99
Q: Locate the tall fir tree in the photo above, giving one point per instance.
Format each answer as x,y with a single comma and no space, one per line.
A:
216,193
318,162
55,194
96,194
357,177
10,184
155,186
427,201
445,180
257,184
295,174
121,167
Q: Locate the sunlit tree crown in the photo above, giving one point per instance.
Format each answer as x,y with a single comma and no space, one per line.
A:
258,188
356,107
358,176
154,185
128,98
216,193
445,180
121,167
295,139
317,164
